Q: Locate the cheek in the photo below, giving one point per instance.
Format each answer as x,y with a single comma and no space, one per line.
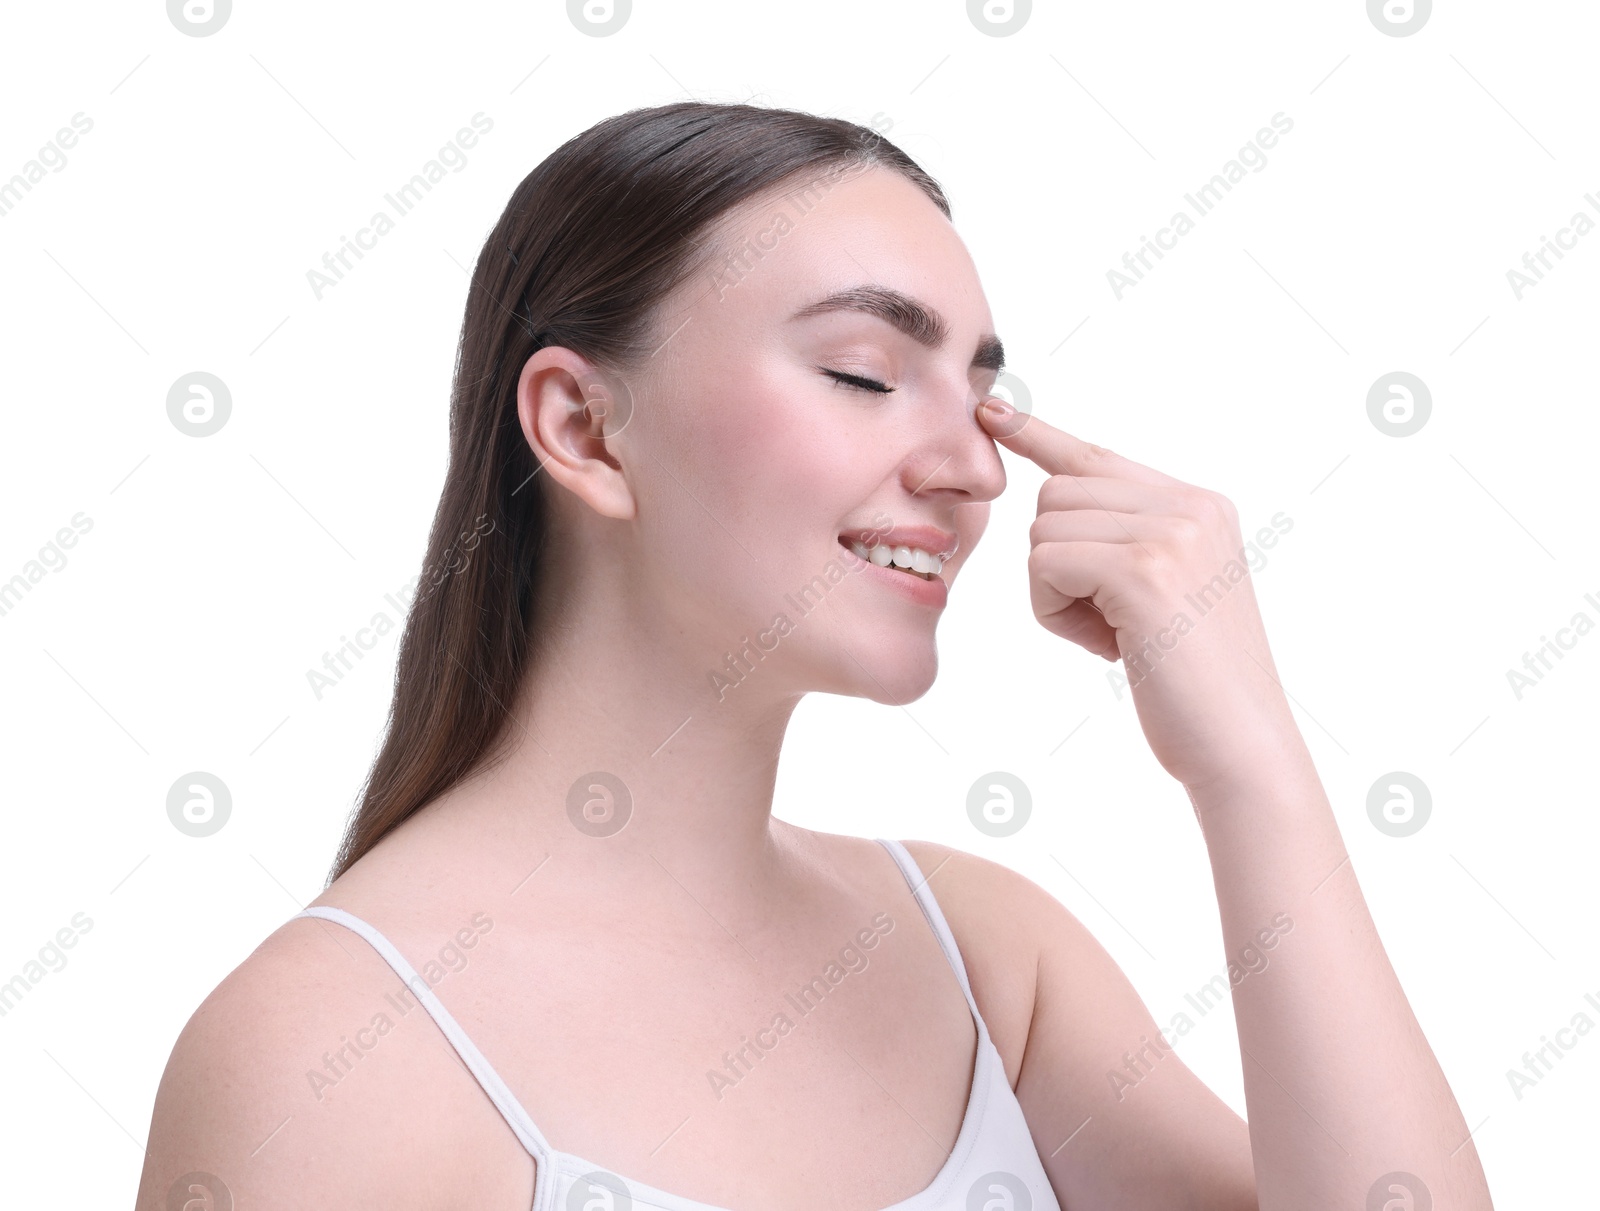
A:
763,460
741,495
970,523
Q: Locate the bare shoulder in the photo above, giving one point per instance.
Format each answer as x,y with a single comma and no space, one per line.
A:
996,915
1079,1038
299,1075
1006,914
1017,942
1001,921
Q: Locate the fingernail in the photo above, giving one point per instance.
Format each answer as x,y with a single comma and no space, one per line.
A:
998,408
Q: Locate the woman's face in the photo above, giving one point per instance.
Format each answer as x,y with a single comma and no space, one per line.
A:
752,461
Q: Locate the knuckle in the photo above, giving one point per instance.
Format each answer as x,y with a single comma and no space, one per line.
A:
1146,564
1055,493
1186,530
1223,507
1203,505
1154,572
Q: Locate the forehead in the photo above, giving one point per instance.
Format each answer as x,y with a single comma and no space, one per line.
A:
827,230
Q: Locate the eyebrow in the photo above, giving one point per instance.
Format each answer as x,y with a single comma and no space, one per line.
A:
917,320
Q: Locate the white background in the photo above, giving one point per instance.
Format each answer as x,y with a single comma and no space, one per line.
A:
218,571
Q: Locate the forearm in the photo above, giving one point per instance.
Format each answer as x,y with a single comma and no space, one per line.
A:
1341,1087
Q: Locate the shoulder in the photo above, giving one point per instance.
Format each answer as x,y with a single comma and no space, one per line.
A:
298,1075
1072,1024
1001,908
1031,961
1004,924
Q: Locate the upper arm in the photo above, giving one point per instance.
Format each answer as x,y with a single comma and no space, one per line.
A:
1089,1064
247,1096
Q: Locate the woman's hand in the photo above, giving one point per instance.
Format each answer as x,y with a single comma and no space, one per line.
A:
1133,564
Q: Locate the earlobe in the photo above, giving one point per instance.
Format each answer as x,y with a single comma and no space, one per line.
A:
571,414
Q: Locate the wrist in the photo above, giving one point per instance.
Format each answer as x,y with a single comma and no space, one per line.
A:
1278,766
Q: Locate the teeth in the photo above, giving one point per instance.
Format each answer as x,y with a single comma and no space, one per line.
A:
903,558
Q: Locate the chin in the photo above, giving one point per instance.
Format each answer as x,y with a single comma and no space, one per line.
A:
893,674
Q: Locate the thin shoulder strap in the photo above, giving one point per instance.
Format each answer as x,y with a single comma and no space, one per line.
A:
504,1100
930,909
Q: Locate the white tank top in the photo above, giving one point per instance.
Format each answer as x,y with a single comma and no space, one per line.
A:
993,1167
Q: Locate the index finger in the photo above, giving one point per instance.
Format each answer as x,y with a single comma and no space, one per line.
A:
1059,452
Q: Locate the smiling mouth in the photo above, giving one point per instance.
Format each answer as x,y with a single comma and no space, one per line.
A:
896,559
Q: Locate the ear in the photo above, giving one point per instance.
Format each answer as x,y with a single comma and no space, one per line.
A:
569,411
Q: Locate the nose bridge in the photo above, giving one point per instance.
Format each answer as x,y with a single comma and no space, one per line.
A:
951,450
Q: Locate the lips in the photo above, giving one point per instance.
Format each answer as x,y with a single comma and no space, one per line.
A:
891,566
923,590
931,539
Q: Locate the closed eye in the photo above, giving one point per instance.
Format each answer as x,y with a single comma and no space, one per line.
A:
856,380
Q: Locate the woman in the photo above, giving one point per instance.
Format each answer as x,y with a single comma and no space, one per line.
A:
721,366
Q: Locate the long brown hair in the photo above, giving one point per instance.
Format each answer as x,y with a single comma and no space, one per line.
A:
592,240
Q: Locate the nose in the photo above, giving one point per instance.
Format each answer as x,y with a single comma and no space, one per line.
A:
953,456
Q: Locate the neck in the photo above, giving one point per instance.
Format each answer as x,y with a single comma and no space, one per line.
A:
611,691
